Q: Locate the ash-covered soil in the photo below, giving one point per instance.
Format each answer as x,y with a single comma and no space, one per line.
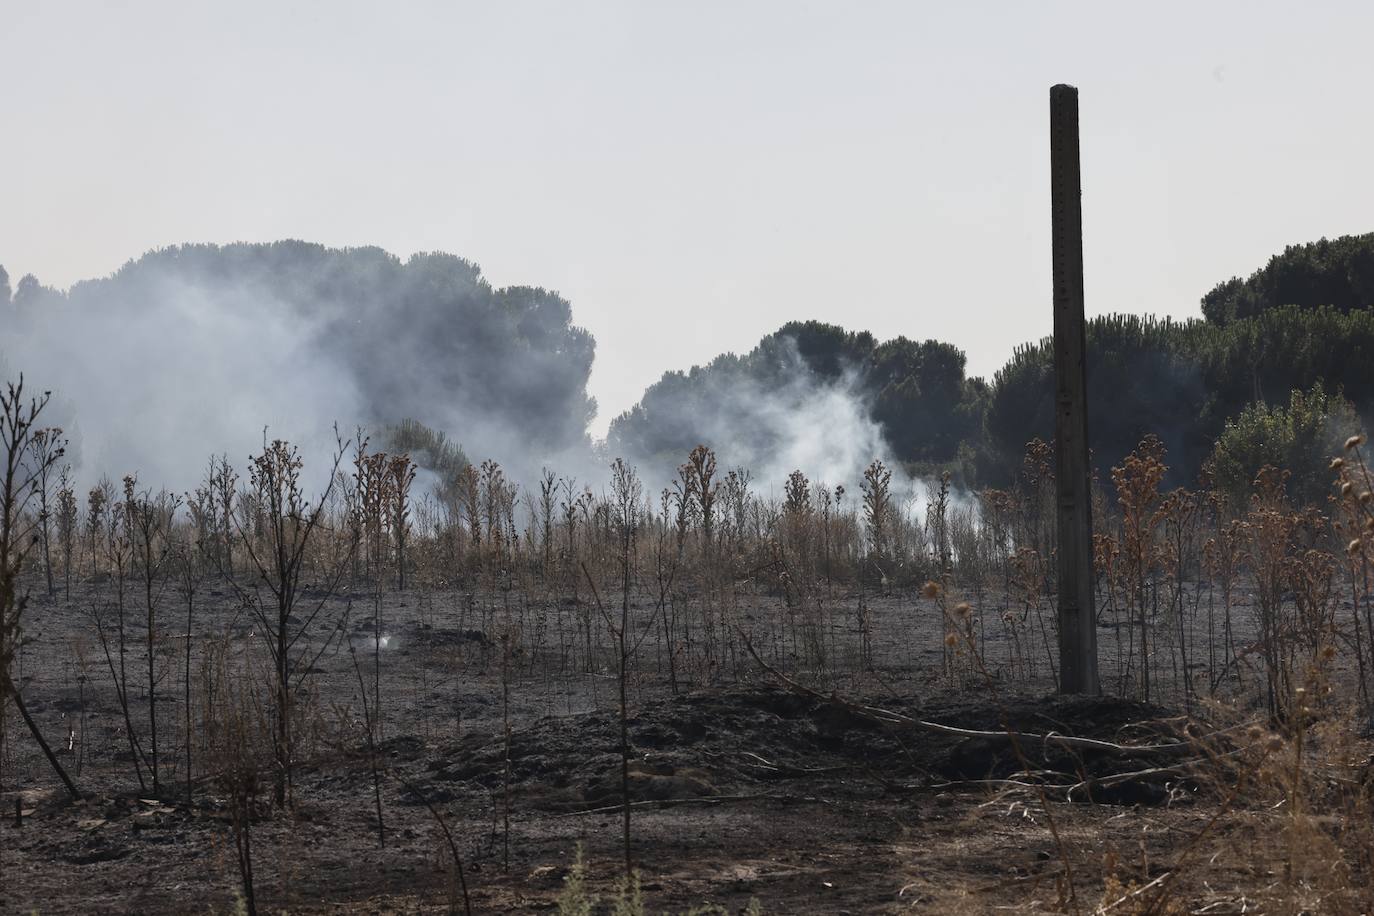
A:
740,787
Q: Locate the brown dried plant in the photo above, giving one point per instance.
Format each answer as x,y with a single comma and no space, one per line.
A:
1137,483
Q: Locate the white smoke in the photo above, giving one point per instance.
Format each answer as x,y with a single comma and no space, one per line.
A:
797,420
158,389
201,354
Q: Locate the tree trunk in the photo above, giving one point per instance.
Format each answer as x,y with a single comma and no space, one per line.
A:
13,691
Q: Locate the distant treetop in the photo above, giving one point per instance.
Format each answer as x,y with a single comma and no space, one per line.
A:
1335,272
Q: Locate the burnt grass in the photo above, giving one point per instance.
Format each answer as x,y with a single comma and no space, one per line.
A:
740,787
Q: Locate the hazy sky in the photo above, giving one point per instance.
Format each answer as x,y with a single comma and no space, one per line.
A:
692,175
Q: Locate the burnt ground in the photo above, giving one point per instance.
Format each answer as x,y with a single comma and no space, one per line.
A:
741,789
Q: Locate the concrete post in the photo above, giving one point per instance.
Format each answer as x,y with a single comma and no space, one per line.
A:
1077,615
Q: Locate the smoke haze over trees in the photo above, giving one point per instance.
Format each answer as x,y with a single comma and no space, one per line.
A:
811,396
1303,320
196,348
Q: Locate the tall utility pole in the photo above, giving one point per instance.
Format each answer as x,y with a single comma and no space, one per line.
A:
1077,615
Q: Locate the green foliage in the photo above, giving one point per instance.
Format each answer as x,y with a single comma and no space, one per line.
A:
1265,357
1301,437
1143,377
922,399
1330,272
1181,380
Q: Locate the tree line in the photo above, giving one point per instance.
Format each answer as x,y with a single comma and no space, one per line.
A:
1293,342
429,338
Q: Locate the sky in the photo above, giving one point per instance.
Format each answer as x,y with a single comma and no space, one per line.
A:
693,175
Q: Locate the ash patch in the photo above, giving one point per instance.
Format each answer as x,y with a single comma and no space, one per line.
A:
761,740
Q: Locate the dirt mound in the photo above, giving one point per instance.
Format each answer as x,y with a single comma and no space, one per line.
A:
761,739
